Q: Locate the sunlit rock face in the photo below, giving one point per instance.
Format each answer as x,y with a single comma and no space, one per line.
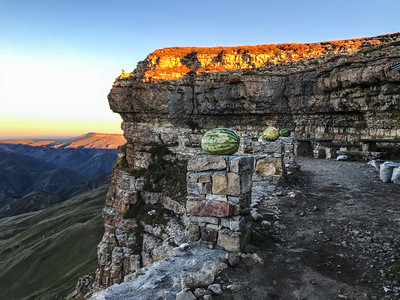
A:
175,62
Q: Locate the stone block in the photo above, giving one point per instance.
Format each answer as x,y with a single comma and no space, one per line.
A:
241,164
245,200
207,163
213,197
233,199
269,167
256,177
191,177
246,182
234,224
220,183
233,184
209,234
209,208
288,147
226,184
204,220
195,188
229,240
225,222
213,226
273,147
207,188
193,232
204,178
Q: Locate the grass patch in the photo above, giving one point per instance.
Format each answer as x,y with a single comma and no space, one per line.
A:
140,210
166,176
393,272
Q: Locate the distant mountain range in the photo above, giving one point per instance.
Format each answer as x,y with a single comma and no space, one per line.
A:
37,173
90,140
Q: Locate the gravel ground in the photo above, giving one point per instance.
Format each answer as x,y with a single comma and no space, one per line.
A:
334,235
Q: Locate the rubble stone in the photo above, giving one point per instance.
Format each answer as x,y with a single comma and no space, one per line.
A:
185,295
215,289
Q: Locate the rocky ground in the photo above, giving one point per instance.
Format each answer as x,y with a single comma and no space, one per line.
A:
334,235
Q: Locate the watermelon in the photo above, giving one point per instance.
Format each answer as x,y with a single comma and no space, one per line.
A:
271,134
284,132
220,141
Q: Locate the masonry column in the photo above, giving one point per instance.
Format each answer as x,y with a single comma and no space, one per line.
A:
219,196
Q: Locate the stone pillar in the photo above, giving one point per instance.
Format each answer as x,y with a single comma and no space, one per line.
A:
219,196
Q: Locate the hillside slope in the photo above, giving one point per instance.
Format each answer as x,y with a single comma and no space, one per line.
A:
36,200
43,253
21,174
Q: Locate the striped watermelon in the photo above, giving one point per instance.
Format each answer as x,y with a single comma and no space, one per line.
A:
271,134
284,132
220,141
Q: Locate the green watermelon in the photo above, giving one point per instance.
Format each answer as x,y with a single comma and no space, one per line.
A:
220,141
271,134
284,132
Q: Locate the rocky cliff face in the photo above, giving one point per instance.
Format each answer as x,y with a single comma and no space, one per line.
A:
342,95
332,90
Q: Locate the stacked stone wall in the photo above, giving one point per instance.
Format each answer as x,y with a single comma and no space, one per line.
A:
219,197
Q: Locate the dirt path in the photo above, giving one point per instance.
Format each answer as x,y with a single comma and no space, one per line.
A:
334,234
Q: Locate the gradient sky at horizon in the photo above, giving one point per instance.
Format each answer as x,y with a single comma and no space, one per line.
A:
59,59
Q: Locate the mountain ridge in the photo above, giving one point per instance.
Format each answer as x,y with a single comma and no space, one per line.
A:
91,140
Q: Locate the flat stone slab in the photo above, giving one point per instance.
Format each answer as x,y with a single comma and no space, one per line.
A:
162,280
210,208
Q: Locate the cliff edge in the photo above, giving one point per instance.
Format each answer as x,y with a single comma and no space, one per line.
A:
340,90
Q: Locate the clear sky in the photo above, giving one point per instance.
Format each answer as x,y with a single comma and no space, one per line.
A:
59,58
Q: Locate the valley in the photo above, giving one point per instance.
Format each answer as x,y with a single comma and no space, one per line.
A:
35,174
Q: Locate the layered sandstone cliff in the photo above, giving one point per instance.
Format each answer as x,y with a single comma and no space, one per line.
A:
332,90
341,95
